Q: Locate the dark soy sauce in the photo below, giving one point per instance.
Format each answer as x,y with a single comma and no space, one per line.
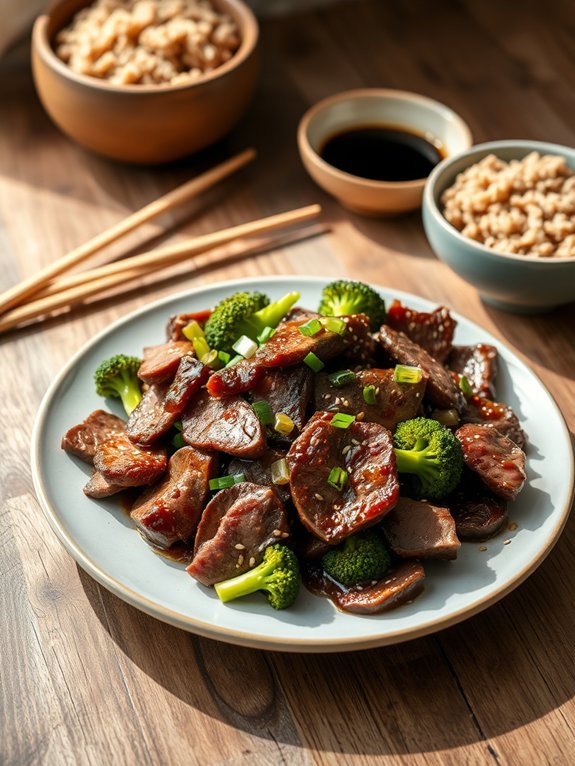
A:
381,154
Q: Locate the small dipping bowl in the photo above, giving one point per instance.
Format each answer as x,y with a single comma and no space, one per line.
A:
377,108
518,283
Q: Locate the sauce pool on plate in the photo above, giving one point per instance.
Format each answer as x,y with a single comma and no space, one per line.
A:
382,153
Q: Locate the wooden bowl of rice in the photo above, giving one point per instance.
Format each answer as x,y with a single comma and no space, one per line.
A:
146,81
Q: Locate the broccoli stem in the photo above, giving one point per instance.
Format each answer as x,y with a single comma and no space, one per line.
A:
244,584
129,393
271,316
417,460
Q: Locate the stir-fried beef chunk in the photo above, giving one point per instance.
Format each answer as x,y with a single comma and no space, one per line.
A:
229,425
479,514
401,584
83,439
237,526
480,410
478,364
363,346
365,452
169,512
122,462
394,402
161,362
286,348
287,391
259,471
177,322
497,460
432,331
418,529
162,405
442,391
99,487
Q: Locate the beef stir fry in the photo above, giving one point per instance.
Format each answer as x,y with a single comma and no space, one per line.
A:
343,447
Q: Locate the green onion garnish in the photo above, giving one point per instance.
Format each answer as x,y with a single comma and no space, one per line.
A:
264,412
341,378
341,420
369,394
280,471
193,330
223,482
446,417
224,357
465,386
178,441
245,346
337,478
212,360
265,334
314,362
334,324
310,328
405,374
201,347
234,360
283,424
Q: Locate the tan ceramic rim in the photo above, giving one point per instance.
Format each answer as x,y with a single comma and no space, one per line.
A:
487,147
246,638
375,93
243,15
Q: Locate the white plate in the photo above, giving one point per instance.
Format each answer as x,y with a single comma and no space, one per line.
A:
99,535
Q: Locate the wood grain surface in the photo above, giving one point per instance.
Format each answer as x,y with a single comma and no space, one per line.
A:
87,679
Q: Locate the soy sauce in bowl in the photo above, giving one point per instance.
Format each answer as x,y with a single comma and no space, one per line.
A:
381,153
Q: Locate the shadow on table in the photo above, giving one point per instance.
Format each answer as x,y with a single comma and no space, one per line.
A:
492,674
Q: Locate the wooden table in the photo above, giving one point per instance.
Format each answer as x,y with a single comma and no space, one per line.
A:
87,679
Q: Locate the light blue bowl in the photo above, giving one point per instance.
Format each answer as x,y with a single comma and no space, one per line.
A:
515,283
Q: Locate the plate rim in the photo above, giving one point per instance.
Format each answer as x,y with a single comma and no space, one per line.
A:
244,638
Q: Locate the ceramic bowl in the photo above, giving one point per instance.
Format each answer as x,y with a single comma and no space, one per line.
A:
376,107
514,283
144,123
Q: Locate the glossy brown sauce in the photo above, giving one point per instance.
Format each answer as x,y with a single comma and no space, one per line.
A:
179,552
382,153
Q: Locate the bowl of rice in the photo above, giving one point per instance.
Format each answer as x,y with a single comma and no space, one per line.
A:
502,216
145,81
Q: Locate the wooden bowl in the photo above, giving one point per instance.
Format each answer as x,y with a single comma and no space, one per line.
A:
144,123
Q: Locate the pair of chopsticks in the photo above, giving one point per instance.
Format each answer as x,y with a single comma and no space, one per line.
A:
51,289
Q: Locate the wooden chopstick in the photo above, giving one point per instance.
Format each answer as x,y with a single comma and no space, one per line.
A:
111,275
16,295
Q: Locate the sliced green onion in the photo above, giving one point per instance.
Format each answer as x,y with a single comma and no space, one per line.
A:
266,334
212,360
369,395
193,330
314,362
283,424
341,420
337,478
465,386
341,378
310,328
446,417
201,347
280,471
264,412
178,425
405,374
234,360
334,324
245,346
224,357
178,441
223,482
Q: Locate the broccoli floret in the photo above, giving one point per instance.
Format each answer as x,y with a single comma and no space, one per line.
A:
362,557
244,314
117,377
278,575
344,297
430,452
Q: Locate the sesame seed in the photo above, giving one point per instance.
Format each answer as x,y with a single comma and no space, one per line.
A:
346,449
482,548
277,533
285,534
346,403
355,441
252,561
506,542
360,416
374,582
240,559
318,496
239,547
512,527
377,390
